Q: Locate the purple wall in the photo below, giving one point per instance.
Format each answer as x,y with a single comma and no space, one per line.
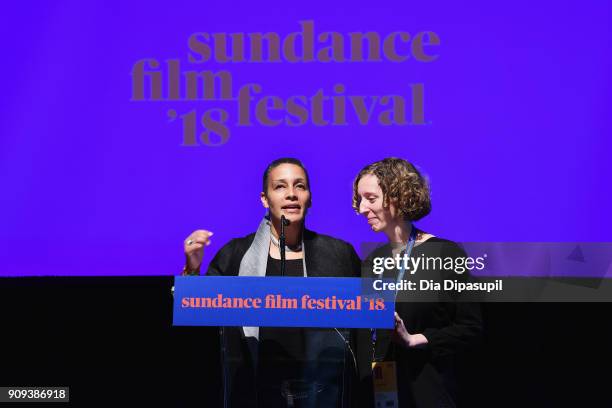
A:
515,140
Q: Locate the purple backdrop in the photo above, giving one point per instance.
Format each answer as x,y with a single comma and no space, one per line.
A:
515,142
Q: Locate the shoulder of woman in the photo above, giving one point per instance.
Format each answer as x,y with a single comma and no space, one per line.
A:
445,246
240,244
326,241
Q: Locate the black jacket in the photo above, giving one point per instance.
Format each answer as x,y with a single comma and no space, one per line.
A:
426,376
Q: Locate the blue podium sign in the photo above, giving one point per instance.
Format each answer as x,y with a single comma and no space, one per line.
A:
280,302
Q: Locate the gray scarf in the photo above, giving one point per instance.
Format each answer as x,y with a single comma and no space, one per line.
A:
255,261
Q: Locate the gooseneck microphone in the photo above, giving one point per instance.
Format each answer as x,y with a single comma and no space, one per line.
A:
281,242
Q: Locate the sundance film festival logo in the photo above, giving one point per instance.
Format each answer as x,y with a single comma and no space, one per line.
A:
227,103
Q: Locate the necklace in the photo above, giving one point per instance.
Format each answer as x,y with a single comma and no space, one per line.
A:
295,248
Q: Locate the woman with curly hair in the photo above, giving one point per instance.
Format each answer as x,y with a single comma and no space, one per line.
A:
429,333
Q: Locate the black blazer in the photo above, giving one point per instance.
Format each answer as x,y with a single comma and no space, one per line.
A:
325,257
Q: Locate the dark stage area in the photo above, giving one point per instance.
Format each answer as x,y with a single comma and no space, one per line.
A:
112,342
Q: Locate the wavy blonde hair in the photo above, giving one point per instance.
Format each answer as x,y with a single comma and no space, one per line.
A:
401,184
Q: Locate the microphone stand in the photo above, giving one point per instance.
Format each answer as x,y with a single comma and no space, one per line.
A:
281,243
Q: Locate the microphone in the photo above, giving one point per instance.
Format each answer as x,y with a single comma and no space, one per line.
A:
281,242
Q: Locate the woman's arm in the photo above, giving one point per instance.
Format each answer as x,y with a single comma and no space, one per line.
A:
464,328
193,247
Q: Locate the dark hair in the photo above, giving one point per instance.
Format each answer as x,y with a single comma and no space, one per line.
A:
402,184
278,162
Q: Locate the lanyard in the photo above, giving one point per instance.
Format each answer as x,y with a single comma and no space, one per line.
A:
400,276
409,247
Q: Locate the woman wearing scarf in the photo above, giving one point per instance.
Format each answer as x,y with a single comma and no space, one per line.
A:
281,367
391,194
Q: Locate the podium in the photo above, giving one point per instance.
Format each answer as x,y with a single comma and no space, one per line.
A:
299,356
288,368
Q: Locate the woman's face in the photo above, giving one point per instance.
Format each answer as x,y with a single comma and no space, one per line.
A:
287,193
379,218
